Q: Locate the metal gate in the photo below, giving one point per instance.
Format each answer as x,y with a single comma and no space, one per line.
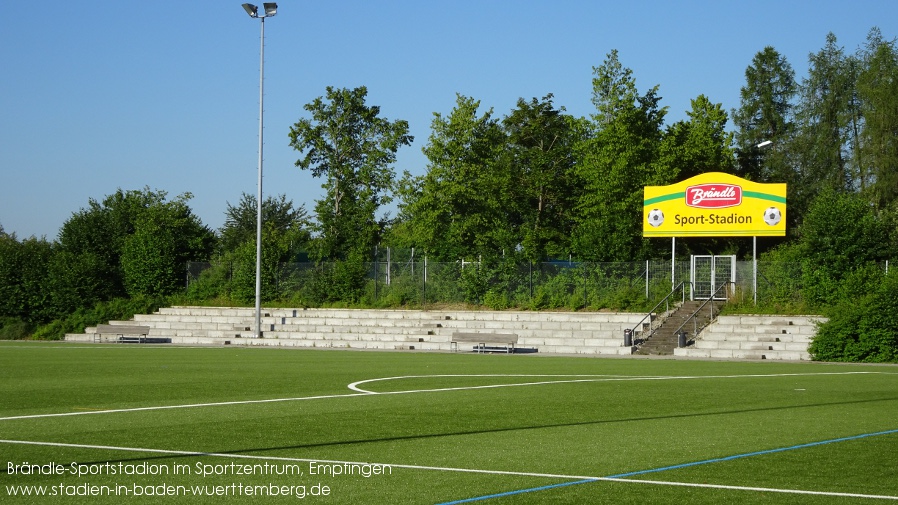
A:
711,272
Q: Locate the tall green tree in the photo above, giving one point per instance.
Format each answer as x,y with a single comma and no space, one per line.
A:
827,115
878,91
348,143
460,207
698,144
541,142
166,236
766,113
614,164
278,212
103,236
101,230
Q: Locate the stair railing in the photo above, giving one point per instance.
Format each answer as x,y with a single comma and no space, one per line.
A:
666,301
682,342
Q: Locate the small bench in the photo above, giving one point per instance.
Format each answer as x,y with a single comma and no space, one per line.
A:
126,333
505,340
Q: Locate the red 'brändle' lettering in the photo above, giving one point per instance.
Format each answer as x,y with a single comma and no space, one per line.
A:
713,196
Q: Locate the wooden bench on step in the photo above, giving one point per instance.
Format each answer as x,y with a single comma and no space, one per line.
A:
126,333
506,341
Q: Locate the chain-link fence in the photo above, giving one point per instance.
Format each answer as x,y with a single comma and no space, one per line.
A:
404,278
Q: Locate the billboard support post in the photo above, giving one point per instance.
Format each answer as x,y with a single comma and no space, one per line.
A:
754,261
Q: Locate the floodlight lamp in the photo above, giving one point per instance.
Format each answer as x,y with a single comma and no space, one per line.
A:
252,10
271,8
764,144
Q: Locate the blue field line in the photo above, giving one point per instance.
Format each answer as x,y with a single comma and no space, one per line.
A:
750,454
623,476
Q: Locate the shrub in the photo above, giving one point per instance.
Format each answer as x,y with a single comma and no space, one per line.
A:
13,328
862,328
117,309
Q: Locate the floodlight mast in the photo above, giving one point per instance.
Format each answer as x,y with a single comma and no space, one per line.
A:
754,242
253,11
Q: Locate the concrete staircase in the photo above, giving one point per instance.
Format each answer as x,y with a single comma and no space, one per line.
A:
544,332
664,339
755,337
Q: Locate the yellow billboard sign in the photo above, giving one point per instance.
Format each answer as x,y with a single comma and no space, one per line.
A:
714,204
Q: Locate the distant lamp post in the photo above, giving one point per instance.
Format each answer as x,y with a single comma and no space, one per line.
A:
271,9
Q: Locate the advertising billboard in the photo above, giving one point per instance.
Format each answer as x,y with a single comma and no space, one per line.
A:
714,204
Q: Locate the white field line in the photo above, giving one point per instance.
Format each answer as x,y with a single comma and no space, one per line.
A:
361,392
286,459
593,378
450,469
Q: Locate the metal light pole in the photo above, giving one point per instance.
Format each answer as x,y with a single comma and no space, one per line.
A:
253,11
754,244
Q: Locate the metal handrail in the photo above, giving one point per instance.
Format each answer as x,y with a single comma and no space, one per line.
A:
666,299
710,300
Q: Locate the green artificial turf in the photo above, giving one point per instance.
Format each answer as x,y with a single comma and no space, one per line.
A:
447,427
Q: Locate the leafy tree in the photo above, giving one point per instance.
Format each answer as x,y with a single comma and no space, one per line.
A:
878,91
167,235
241,221
698,145
765,113
72,282
615,164
541,142
841,233
136,241
352,147
827,116
101,230
23,267
459,208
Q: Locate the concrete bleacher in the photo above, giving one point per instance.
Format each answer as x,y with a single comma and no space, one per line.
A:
544,332
755,337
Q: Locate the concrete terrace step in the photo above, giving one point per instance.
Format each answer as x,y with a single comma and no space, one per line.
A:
742,354
755,337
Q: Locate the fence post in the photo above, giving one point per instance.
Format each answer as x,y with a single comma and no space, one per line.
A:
646,279
585,283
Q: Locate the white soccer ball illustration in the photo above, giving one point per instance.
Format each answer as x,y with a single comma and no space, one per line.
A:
656,217
773,216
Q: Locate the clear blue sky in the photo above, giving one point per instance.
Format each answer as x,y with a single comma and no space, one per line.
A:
101,95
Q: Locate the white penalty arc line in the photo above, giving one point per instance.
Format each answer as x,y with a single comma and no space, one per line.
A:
361,392
591,378
449,469
583,378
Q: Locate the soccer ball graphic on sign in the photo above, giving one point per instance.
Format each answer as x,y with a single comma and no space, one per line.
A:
656,217
772,216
